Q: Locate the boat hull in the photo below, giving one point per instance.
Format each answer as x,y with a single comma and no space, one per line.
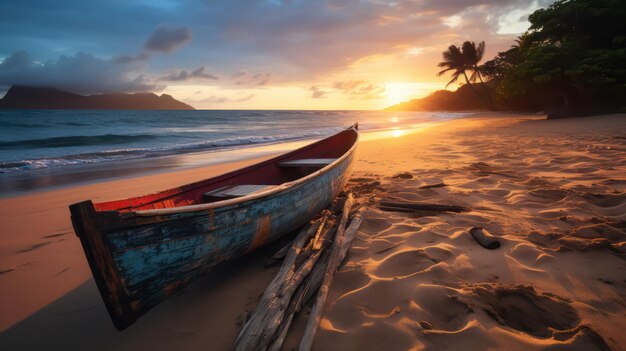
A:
139,261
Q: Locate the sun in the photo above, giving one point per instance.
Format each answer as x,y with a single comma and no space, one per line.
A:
401,92
396,93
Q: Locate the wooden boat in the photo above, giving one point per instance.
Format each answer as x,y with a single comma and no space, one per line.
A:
142,250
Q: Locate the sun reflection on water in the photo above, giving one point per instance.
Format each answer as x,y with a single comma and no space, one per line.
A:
397,132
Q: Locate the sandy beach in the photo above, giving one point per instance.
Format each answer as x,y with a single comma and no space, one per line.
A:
552,191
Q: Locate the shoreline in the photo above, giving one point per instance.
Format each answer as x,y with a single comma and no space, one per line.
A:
49,179
26,236
162,144
27,182
535,171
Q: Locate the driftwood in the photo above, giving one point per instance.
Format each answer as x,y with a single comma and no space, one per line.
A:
485,239
340,248
421,206
397,209
435,185
308,268
259,329
300,297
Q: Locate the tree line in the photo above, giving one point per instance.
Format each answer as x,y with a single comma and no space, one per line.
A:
570,62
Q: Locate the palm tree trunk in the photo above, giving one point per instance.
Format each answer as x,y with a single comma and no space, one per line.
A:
474,90
487,94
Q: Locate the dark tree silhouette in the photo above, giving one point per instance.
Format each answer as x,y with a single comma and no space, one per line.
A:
464,59
569,63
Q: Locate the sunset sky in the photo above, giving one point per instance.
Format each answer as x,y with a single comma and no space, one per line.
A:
272,54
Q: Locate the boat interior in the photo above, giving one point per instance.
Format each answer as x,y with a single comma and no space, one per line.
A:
250,180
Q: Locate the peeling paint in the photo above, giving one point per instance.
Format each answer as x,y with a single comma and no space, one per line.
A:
156,260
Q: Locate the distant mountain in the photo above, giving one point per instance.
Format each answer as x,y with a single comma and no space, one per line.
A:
462,99
22,97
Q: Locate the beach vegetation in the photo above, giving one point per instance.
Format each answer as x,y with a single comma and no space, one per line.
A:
570,62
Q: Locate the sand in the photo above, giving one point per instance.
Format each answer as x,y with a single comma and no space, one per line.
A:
552,192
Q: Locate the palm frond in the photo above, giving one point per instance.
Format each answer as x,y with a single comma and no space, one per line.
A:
480,51
455,77
440,73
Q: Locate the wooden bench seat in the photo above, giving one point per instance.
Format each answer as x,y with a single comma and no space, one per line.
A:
308,162
232,191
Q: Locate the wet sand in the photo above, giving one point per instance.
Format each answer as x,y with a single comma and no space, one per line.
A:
553,192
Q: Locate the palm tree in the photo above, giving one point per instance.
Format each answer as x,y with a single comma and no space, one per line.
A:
473,55
460,60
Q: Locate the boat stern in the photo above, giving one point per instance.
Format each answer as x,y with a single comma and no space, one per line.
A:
84,220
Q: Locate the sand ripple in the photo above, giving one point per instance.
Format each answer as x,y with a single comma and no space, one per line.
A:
554,194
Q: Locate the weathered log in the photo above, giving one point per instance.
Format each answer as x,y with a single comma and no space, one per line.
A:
270,314
323,235
304,268
281,334
396,209
485,239
305,291
423,206
338,252
262,324
311,283
316,242
435,185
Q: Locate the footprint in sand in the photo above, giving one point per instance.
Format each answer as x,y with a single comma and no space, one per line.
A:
605,200
610,231
541,315
522,308
439,308
553,195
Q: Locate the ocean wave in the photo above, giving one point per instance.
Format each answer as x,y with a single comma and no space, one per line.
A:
14,124
251,140
136,153
180,133
207,129
77,140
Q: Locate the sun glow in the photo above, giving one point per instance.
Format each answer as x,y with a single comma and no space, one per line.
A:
393,119
400,92
296,98
396,133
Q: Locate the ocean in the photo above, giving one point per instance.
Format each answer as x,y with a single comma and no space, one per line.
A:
37,142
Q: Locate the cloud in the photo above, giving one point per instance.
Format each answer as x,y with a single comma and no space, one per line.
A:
166,39
312,39
299,42
81,73
245,79
125,59
199,73
317,93
358,89
216,99
240,73
352,89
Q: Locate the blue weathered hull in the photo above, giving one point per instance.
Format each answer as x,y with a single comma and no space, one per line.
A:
138,261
